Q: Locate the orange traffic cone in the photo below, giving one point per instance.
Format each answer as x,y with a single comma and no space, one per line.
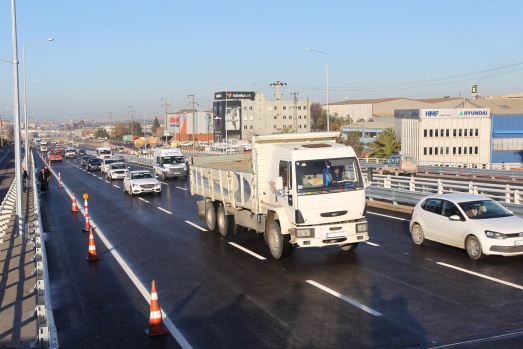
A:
60,186
156,326
74,208
91,253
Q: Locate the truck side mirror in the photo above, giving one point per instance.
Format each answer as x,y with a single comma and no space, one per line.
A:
279,183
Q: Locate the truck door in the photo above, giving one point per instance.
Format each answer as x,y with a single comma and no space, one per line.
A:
285,172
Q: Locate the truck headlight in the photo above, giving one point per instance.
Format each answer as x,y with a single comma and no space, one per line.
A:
304,233
362,228
495,235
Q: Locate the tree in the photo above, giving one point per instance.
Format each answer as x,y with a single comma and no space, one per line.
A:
136,129
102,133
353,140
155,125
119,130
385,145
316,114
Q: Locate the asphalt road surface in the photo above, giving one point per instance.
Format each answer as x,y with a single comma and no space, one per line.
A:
229,293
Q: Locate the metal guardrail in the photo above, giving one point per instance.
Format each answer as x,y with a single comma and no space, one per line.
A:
409,190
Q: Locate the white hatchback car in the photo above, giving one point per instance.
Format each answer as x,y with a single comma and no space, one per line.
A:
106,163
139,182
475,223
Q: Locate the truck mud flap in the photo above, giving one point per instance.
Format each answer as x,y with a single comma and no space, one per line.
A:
201,209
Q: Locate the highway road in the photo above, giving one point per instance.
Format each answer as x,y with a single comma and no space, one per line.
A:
229,293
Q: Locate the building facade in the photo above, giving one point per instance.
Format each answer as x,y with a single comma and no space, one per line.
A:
445,136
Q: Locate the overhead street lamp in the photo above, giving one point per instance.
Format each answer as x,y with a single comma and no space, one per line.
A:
225,118
327,65
25,95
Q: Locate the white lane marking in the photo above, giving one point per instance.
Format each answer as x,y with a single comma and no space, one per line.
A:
164,210
346,299
106,181
196,226
114,185
143,200
480,340
372,244
482,276
384,215
181,188
141,288
248,251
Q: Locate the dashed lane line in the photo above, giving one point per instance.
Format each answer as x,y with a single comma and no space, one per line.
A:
196,225
384,215
481,275
345,298
164,210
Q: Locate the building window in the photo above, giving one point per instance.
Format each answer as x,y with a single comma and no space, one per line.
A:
250,127
459,150
447,133
285,116
465,150
275,117
425,134
454,150
477,132
430,133
460,133
447,150
275,108
436,151
274,126
441,150
305,116
441,132
244,127
430,150
250,108
425,151
470,150
476,150
436,133
470,132
299,116
465,133
454,132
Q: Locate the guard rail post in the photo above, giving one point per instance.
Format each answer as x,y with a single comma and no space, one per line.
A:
440,186
507,193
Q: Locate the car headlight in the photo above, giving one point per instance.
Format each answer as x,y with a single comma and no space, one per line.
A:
304,233
495,235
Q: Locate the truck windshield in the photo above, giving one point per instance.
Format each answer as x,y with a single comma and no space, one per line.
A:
104,152
328,175
172,160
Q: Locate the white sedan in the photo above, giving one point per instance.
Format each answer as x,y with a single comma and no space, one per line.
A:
475,223
116,170
139,182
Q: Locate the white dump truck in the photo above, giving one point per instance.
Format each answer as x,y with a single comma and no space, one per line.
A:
298,189
169,162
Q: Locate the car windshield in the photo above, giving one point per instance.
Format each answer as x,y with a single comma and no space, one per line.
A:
172,159
484,209
117,166
326,174
94,161
141,175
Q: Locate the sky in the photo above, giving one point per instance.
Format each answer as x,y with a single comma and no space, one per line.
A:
108,55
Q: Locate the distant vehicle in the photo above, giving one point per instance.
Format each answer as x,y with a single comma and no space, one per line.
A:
101,140
70,153
93,164
43,146
104,152
475,223
86,157
116,170
81,152
399,164
186,144
106,163
55,155
169,162
139,182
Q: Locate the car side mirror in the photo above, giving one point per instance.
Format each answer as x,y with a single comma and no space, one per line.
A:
455,217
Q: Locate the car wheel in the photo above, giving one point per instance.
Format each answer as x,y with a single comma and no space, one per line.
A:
417,235
210,215
279,244
225,222
473,247
349,247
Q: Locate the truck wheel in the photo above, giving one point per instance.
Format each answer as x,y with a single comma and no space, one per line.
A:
210,216
278,243
349,247
225,223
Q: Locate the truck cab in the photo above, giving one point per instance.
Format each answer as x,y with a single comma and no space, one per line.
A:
104,153
169,162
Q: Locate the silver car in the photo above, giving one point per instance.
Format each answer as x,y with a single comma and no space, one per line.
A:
116,170
139,182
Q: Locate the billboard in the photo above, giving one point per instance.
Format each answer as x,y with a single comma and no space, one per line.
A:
221,96
127,138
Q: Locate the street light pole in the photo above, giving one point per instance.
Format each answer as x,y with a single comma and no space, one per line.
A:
25,95
327,66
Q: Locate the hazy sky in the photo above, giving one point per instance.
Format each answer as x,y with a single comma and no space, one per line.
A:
111,54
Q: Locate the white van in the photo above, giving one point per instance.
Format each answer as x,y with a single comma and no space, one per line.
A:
169,162
104,153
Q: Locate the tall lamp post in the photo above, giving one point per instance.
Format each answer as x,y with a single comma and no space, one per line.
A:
25,94
327,65
225,118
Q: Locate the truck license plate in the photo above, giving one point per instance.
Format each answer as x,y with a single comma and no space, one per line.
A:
335,235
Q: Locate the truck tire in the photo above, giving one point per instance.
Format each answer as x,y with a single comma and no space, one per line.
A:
278,244
349,247
225,222
210,216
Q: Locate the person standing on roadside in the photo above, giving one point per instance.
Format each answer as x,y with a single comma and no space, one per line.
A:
43,180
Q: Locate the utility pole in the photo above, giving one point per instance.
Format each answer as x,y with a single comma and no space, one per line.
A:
278,85
295,111
193,123
132,120
166,129
111,117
